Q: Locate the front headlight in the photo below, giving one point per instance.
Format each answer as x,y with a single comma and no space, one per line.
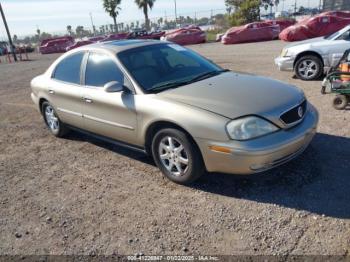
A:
249,127
285,53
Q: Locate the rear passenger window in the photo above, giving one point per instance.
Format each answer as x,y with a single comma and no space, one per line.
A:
101,69
68,70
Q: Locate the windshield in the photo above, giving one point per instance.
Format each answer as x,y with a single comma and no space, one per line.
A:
160,67
336,34
331,36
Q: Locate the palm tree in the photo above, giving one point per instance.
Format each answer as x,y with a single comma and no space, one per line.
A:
69,29
144,4
112,8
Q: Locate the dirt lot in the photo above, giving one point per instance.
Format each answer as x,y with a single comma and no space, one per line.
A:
81,196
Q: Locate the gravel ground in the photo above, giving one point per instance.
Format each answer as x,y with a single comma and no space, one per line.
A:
81,196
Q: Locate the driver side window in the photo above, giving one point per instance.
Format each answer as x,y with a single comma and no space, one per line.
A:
101,69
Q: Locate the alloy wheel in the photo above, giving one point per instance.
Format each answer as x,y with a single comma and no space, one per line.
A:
173,156
308,69
51,118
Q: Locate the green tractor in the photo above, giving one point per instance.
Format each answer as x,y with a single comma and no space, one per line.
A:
337,81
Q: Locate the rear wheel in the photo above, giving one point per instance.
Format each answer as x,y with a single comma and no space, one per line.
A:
52,121
177,156
340,102
309,68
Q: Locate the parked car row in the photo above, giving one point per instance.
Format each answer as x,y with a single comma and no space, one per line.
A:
183,36
255,32
316,26
286,29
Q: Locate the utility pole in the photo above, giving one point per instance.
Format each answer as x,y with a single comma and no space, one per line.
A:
92,24
295,8
175,13
8,34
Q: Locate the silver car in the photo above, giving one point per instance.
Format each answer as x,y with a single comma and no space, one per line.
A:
166,100
311,58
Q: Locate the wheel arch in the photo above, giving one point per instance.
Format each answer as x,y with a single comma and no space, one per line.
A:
308,53
41,101
154,127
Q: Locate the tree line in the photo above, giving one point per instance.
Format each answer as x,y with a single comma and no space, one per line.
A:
247,11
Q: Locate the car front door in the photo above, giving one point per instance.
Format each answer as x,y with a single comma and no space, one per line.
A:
65,90
110,114
338,47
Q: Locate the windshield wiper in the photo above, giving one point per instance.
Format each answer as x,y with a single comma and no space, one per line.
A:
175,84
168,86
206,75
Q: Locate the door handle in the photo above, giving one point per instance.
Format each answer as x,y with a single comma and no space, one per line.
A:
88,100
51,92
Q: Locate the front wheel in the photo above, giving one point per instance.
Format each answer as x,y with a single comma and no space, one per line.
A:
309,68
52,121
177,156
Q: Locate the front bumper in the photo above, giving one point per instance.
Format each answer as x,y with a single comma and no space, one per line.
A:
260,154
285,63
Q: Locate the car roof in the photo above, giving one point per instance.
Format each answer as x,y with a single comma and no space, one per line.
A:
118,46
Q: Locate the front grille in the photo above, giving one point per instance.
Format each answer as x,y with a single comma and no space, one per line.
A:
295,114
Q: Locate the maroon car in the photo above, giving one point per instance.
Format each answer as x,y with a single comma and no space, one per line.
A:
253,32
113,37
283,23
186,36
143,34
317,26
55,45
78,44
96,38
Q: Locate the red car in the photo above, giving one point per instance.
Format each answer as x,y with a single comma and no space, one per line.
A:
253,32
142,34
283,23
96,38
186,36
55,45
317,26
78,44
112,37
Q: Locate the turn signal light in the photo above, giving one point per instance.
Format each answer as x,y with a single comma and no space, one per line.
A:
220,149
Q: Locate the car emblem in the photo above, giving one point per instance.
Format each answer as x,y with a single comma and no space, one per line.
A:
300,112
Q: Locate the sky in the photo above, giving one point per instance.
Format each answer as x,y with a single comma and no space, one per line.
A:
53,16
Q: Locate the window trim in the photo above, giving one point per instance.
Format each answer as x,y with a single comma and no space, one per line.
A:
339,37
84,67
80,71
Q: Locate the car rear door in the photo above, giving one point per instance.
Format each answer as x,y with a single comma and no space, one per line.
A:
108,114
65,90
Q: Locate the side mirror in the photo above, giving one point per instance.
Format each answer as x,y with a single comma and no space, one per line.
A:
113,87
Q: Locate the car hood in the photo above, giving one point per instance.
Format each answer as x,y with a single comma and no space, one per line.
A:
235,94
307,42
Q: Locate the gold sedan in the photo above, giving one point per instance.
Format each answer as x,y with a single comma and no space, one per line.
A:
188,113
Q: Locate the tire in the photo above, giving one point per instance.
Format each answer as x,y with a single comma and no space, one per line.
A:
174,160
340,102
309,68
55,125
